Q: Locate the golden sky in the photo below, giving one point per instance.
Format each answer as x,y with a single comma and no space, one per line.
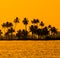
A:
46,10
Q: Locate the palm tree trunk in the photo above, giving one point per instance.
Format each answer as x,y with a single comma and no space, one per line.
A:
26,30
32,35
26,27
15,26
11,36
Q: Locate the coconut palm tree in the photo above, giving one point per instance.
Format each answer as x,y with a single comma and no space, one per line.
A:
19,34
35,21
41,24
11,25
25,22
6,35
49,29
8,25
11,30
54,31
39,33
49,26
24,34
4,26
16,21
1,34
33,29
45,32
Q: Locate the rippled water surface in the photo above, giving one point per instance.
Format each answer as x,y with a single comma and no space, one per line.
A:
30,49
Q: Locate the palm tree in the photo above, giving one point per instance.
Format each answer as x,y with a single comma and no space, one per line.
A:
16,20
24,34
49,26
1,34
45,32
11,25
19,34
25,22
39,33
11,30
54,31
41,24
6,35
42,33
4,26
35,21
8,25
49,29
33,29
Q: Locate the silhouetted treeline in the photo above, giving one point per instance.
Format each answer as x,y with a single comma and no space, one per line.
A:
37,31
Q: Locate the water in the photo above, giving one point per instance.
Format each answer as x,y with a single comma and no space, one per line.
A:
29,49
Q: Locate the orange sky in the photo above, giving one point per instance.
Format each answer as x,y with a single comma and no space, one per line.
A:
46,10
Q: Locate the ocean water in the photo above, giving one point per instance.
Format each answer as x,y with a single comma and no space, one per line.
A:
30,49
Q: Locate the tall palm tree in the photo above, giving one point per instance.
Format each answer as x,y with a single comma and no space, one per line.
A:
25,22
31,30
16,20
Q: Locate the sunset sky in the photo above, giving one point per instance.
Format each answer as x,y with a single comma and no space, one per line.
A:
46,10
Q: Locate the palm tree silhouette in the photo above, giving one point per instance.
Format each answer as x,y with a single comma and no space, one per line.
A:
54,31
45,31
16,20
4,26
8,25
25,22
19,34
41,24
49,29
49,26
6,35
24,34
11,30
1,34
33,29
11,25
39,33
35,21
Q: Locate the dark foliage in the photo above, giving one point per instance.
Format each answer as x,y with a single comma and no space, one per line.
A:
38,33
